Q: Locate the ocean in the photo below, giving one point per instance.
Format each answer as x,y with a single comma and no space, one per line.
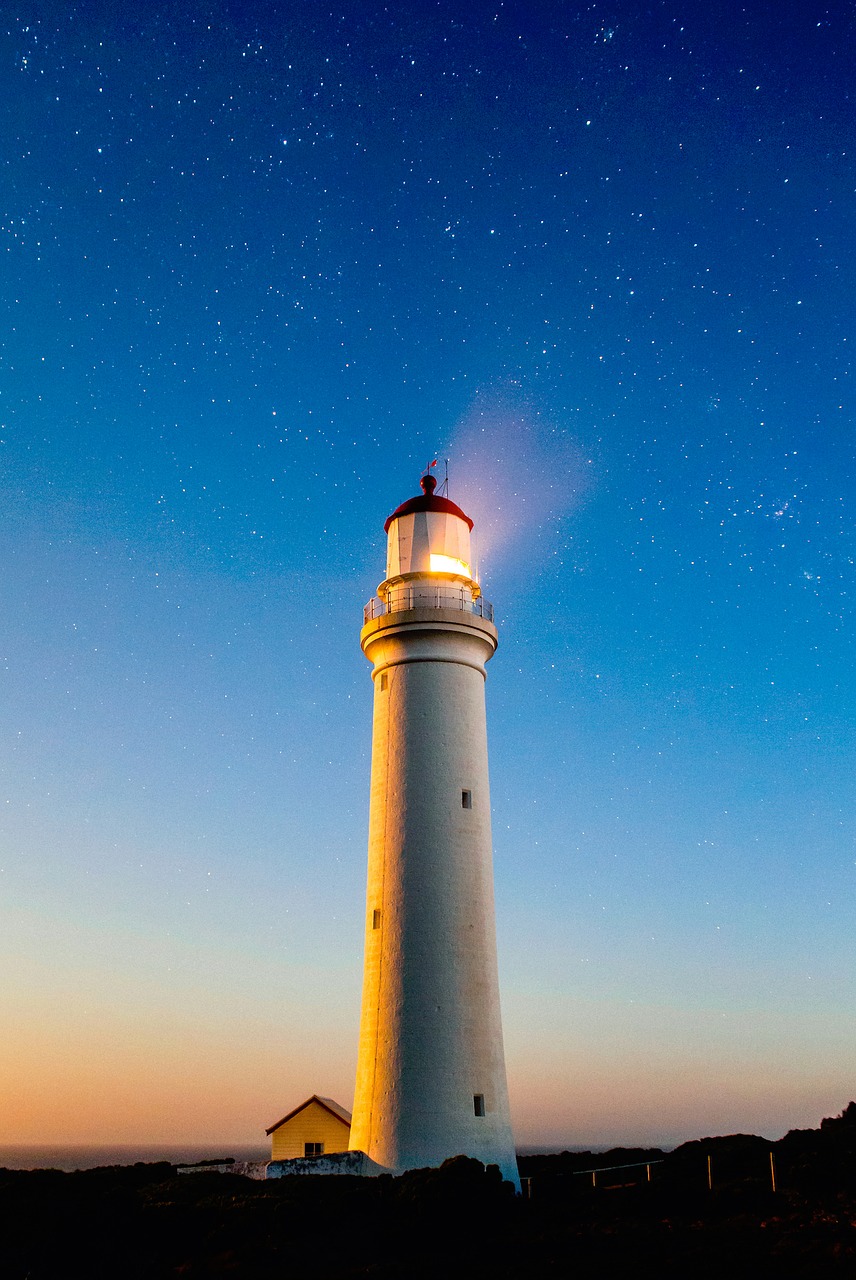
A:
71,1158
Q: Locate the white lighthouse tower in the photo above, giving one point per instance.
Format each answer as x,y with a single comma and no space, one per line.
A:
431,1071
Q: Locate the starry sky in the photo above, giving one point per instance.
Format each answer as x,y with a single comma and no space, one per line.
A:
260,263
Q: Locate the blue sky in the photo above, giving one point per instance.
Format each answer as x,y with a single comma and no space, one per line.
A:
258,267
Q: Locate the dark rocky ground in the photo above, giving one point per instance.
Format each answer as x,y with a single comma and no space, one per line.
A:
146,1221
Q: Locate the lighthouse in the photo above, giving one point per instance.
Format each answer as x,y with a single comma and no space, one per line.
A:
431,1080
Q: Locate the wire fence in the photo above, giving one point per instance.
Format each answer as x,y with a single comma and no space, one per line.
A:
711,1170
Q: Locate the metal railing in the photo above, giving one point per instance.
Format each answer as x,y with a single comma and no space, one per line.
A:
424,595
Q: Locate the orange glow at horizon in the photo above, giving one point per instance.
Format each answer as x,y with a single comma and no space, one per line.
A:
223,1086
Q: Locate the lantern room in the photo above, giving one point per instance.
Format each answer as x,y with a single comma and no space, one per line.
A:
429,535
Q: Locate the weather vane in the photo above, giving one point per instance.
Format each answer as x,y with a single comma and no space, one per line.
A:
444,487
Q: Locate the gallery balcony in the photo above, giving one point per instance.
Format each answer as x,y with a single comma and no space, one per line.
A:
427,595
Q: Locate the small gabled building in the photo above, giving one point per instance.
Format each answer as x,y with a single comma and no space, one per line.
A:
318,1127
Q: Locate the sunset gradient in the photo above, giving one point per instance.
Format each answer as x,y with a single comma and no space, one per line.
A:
260,265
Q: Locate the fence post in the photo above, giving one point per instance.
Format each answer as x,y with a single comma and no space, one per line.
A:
709,1176
773,1170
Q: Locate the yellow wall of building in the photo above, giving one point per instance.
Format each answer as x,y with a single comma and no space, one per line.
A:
313,1124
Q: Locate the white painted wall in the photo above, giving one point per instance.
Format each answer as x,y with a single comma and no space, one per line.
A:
431,1035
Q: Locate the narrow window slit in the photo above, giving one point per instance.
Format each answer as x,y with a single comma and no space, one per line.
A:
466,799
478,1104
376,918
383,680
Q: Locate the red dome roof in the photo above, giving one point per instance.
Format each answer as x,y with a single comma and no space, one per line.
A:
428,500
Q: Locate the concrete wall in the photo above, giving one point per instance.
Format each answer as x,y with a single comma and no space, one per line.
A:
346,1162
256,1169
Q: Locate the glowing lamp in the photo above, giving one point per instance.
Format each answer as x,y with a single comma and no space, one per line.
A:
448,564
